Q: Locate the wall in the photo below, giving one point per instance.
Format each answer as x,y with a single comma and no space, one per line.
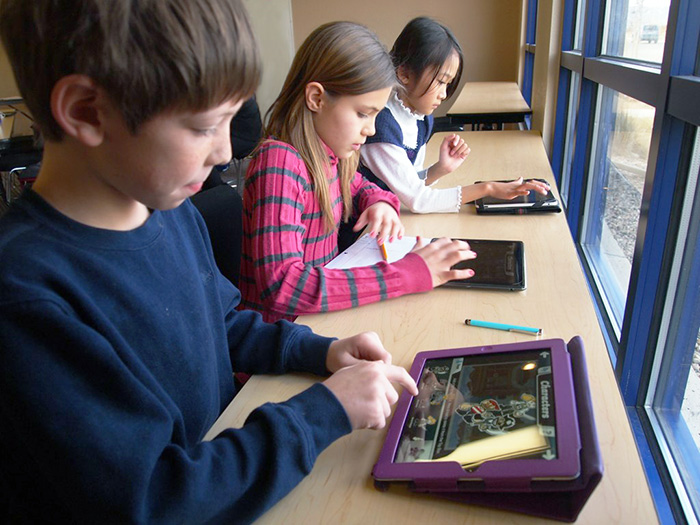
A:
546,71
488,31
272,24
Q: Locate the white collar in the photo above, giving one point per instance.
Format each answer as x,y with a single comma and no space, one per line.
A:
406,119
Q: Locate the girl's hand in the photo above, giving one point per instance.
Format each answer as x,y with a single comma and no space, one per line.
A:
453,151
382,222
441,255
510,190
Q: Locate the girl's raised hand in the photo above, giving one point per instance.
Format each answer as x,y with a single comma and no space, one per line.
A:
453,151
441,255
382,222
510,190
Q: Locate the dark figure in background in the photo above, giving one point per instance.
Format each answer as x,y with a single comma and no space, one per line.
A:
246,131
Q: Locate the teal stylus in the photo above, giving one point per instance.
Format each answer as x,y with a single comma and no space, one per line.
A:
505,327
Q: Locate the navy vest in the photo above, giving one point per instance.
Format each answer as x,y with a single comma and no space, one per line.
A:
389,131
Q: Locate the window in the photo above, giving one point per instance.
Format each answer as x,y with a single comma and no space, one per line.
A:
622,136
636,29
627,155
673,402
577,42
529,67
570,136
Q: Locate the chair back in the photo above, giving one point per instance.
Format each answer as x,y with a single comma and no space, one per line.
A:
222,210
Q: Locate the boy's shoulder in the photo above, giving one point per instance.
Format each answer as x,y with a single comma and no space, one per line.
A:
40,247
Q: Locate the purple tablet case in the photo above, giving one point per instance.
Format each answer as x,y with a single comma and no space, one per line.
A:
555,499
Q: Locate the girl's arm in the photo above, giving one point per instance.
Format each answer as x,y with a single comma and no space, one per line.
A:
502,190
286,245
453,151
390,164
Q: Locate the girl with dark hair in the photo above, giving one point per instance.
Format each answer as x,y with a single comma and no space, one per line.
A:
428,61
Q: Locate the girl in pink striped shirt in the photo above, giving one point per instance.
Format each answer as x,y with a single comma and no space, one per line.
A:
303,181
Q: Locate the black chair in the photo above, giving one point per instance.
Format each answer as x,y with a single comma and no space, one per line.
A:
222,210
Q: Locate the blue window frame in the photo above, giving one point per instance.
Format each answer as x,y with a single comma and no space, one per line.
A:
673,399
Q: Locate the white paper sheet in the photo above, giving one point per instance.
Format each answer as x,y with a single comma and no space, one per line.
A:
366,252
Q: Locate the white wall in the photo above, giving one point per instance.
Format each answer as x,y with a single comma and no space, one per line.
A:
272,23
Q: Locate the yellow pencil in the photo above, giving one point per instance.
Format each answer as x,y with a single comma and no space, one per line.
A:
384,254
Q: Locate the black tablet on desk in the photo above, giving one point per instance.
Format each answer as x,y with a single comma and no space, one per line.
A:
499,265
534,202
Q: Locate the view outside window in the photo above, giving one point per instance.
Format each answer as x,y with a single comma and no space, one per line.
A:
622,136
636,29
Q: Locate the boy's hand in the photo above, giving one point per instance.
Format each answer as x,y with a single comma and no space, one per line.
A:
441,255
382,222
453,151
365,346
366,392
516,188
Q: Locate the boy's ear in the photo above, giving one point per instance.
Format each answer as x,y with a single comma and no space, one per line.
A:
314,96
77,104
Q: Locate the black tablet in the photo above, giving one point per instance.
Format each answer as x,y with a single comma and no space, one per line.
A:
499,265
533,202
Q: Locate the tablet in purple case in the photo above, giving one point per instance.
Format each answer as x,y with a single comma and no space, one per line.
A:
496,426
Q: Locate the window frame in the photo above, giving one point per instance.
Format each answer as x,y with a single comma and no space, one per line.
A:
673,89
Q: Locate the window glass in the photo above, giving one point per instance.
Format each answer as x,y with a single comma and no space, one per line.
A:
578,25
531,26
675,378
622,135
570,137
636,29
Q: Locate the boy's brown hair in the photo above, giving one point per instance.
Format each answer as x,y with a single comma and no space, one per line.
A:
148,55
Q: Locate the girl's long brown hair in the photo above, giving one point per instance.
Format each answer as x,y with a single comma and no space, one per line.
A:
346,59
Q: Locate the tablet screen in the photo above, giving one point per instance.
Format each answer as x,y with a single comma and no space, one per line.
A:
497,264
531,199
478,408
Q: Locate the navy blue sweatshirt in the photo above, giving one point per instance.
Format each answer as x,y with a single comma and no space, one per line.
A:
117,351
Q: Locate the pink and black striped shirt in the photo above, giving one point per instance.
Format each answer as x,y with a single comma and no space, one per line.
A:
286,245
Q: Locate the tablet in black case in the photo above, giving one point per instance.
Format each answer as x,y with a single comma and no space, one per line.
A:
532,203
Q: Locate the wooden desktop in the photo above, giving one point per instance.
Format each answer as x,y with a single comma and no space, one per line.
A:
340,488
488,103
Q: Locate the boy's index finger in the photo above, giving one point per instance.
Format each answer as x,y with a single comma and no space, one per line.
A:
398,374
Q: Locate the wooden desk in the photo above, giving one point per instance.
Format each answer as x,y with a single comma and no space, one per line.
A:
488,103
339,489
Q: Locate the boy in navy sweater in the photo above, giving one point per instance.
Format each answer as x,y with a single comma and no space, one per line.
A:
118,335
